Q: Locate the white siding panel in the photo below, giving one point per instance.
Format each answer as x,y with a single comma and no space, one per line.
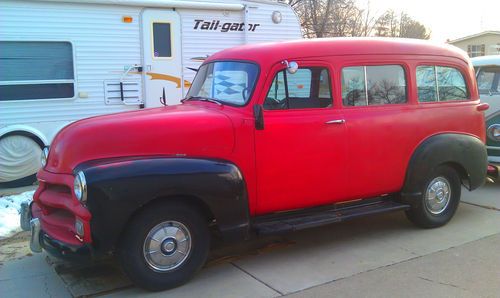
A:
103,45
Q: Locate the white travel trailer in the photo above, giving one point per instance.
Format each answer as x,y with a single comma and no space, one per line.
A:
63,60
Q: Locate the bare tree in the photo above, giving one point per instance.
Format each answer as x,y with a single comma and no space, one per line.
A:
390,24
331,18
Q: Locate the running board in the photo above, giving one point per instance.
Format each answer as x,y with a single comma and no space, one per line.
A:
304,219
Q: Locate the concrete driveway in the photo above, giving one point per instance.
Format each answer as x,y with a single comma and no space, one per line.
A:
375,256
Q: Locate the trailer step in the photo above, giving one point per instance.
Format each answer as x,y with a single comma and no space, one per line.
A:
303,219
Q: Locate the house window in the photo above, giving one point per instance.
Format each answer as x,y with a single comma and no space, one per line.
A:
476,50
36,70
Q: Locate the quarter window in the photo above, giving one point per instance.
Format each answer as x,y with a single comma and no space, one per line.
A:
36,70
373,85
308,88
439,83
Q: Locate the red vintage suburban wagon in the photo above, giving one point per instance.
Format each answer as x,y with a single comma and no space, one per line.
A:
271,138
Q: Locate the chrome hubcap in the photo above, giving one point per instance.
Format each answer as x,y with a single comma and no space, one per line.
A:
437,196
167,246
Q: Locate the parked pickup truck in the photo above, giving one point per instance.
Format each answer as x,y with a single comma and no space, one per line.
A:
270,139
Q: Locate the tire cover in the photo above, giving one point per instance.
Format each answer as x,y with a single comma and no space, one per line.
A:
19,158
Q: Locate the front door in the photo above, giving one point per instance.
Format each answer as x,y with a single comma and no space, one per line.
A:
301,152
162,65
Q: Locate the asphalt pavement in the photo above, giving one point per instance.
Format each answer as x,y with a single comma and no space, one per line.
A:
378,256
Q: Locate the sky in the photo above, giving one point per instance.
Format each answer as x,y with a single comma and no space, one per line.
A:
446,19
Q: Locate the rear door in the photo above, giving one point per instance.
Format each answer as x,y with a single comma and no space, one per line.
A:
301,152
162,65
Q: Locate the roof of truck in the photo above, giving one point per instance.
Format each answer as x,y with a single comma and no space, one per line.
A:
491,60
321,47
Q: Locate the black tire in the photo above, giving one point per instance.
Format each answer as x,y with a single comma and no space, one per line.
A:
132,257
26,181
422,215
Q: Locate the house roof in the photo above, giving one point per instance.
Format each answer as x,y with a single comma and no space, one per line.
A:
474,35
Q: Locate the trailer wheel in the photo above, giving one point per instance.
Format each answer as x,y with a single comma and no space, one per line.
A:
19,160
439,200
164,246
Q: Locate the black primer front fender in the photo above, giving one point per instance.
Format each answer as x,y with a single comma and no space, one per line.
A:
466,151
119,187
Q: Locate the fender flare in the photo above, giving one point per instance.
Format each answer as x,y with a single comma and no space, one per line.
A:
25,130
465,153
117,188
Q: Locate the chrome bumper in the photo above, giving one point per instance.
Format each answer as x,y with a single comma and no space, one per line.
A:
35,245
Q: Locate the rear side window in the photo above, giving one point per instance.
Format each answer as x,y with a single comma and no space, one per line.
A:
488,80
308,88
440,83
36,70
373,85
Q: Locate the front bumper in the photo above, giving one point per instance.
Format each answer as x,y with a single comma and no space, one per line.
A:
41,240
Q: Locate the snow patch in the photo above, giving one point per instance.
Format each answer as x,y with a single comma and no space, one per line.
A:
10,207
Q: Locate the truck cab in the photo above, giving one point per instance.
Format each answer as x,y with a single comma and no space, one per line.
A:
270,138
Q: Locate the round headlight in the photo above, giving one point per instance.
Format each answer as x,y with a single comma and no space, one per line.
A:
80,187
45,156
494,132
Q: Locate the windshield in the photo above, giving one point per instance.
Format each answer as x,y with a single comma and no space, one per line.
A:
225,81
488,80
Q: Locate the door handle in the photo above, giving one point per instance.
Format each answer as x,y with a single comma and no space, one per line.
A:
338,121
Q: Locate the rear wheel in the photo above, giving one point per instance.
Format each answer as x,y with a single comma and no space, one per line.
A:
164,246
439,200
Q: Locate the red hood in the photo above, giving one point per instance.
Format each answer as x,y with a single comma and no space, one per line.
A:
189,129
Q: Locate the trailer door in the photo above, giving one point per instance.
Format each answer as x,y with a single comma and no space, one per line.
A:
162,66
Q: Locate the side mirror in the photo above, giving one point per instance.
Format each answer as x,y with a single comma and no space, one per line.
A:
291,67
258,114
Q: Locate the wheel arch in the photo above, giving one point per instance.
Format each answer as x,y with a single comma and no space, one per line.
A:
464,153
118,190
27,131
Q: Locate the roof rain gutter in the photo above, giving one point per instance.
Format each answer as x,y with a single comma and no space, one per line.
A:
160,3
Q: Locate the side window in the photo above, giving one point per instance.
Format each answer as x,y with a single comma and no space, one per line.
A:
373,85
386,84
451,84
426,84
354,86
488,80
36,70
439,83
162,44
308,88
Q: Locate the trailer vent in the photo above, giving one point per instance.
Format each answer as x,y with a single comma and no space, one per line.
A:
132,93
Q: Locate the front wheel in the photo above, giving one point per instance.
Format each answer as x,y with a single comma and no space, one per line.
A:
164,246
439,199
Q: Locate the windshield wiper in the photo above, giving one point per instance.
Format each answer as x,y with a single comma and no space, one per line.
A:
201,98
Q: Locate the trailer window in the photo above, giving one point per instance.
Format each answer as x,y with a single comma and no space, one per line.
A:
36,70
162,45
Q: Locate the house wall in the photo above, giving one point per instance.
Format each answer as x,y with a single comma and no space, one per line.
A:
490,41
